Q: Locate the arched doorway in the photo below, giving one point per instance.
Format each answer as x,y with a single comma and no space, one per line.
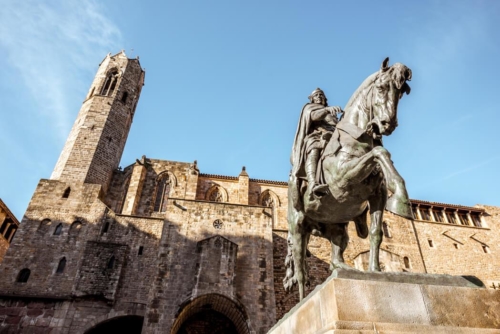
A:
211,314
131,324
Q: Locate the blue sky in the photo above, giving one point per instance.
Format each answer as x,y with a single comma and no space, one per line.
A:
225,82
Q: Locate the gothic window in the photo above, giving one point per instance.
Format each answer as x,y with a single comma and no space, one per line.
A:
58,229
61,266
109,83
268,200
111,262
23,276
75,228
66,192
162,192
215,195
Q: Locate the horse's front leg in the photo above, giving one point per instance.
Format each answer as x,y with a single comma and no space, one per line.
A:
399,203
352,170
377,204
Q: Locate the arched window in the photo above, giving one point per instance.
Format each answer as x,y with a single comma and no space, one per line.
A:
407,262
23,275
109,83
75,228
216,195
267,199
44,226
61,266
111,262
66,192
58,229
162,192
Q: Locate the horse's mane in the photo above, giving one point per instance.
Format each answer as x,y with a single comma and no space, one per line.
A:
368,82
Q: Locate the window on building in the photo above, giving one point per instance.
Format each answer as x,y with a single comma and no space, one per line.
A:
124,97
464,220
75,228
10,231
109,83
451,217
111,262
406,261
141,249
61,266
424,213
387,232
23,275
215,195
415,213
267,200
7,222
438,215
162,192
58,229
66,192
105,228
476,219
431,243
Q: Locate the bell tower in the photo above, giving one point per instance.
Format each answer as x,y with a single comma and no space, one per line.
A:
95,144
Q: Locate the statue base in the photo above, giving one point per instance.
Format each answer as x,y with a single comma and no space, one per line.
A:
357,302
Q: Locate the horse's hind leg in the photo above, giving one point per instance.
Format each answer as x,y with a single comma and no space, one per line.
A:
377,204
337,234
297,245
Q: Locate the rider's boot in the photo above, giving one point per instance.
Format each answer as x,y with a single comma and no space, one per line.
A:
311,167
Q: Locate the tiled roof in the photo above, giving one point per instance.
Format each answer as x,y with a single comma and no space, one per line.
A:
223,177
279,183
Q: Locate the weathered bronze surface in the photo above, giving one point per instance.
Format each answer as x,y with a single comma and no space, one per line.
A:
341,171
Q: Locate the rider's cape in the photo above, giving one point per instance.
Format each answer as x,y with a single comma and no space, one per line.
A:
298,149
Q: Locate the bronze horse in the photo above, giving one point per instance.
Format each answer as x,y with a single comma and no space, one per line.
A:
359,173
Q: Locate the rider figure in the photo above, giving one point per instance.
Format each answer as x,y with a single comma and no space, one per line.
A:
316,125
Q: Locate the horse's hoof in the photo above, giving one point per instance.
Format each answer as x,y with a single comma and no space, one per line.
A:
399,207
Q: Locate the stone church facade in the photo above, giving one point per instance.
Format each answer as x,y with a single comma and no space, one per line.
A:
160,247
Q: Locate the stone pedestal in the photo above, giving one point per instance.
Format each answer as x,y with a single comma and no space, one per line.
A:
357,302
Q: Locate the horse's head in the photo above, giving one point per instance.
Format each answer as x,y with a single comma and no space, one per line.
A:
388,88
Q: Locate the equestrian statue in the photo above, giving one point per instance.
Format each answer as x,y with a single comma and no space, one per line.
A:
341,172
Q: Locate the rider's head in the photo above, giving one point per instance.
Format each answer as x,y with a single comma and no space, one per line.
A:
318,96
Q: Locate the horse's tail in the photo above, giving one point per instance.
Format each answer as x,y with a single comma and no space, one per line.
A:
290,280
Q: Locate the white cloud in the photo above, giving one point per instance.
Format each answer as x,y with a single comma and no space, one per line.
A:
51,45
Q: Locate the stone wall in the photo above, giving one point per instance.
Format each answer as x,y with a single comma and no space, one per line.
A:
189,222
